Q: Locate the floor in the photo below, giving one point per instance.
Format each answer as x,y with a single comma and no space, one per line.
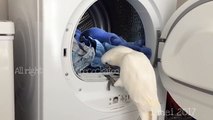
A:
174,112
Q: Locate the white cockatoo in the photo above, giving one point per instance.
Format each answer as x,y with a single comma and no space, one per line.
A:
137,76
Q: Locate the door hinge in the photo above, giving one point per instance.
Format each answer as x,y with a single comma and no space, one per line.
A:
158,59
159,37
161,40
157,47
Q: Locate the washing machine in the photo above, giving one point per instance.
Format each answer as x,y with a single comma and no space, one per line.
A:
50,88
6,71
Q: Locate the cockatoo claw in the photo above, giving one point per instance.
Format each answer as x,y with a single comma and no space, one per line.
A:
111,82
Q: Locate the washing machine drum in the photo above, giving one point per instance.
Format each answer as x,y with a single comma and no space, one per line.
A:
111,15
117,17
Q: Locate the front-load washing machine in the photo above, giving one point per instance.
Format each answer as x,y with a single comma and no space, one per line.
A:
6,71
49,88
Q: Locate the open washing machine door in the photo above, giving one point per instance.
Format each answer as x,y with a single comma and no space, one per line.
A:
185,58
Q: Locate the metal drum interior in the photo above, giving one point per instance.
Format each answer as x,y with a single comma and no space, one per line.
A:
115,16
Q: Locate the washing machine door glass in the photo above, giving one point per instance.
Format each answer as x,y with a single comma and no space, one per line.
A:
186,58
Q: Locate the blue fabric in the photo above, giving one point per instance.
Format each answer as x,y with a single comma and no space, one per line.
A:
103,41
113,39
102,36
99,51
108,46
138,43
77,35
98,34
145,50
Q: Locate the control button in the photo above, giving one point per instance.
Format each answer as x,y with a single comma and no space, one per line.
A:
115,100
122,98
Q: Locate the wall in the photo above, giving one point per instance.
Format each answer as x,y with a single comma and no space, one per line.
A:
180,2
4,16
3,10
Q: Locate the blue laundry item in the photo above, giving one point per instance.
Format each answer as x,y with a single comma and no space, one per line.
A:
82,56
145,50
98,45
102,41
96,63
113,39
138,43
99,51
117,41
96,33
77,35
108,46
101,35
